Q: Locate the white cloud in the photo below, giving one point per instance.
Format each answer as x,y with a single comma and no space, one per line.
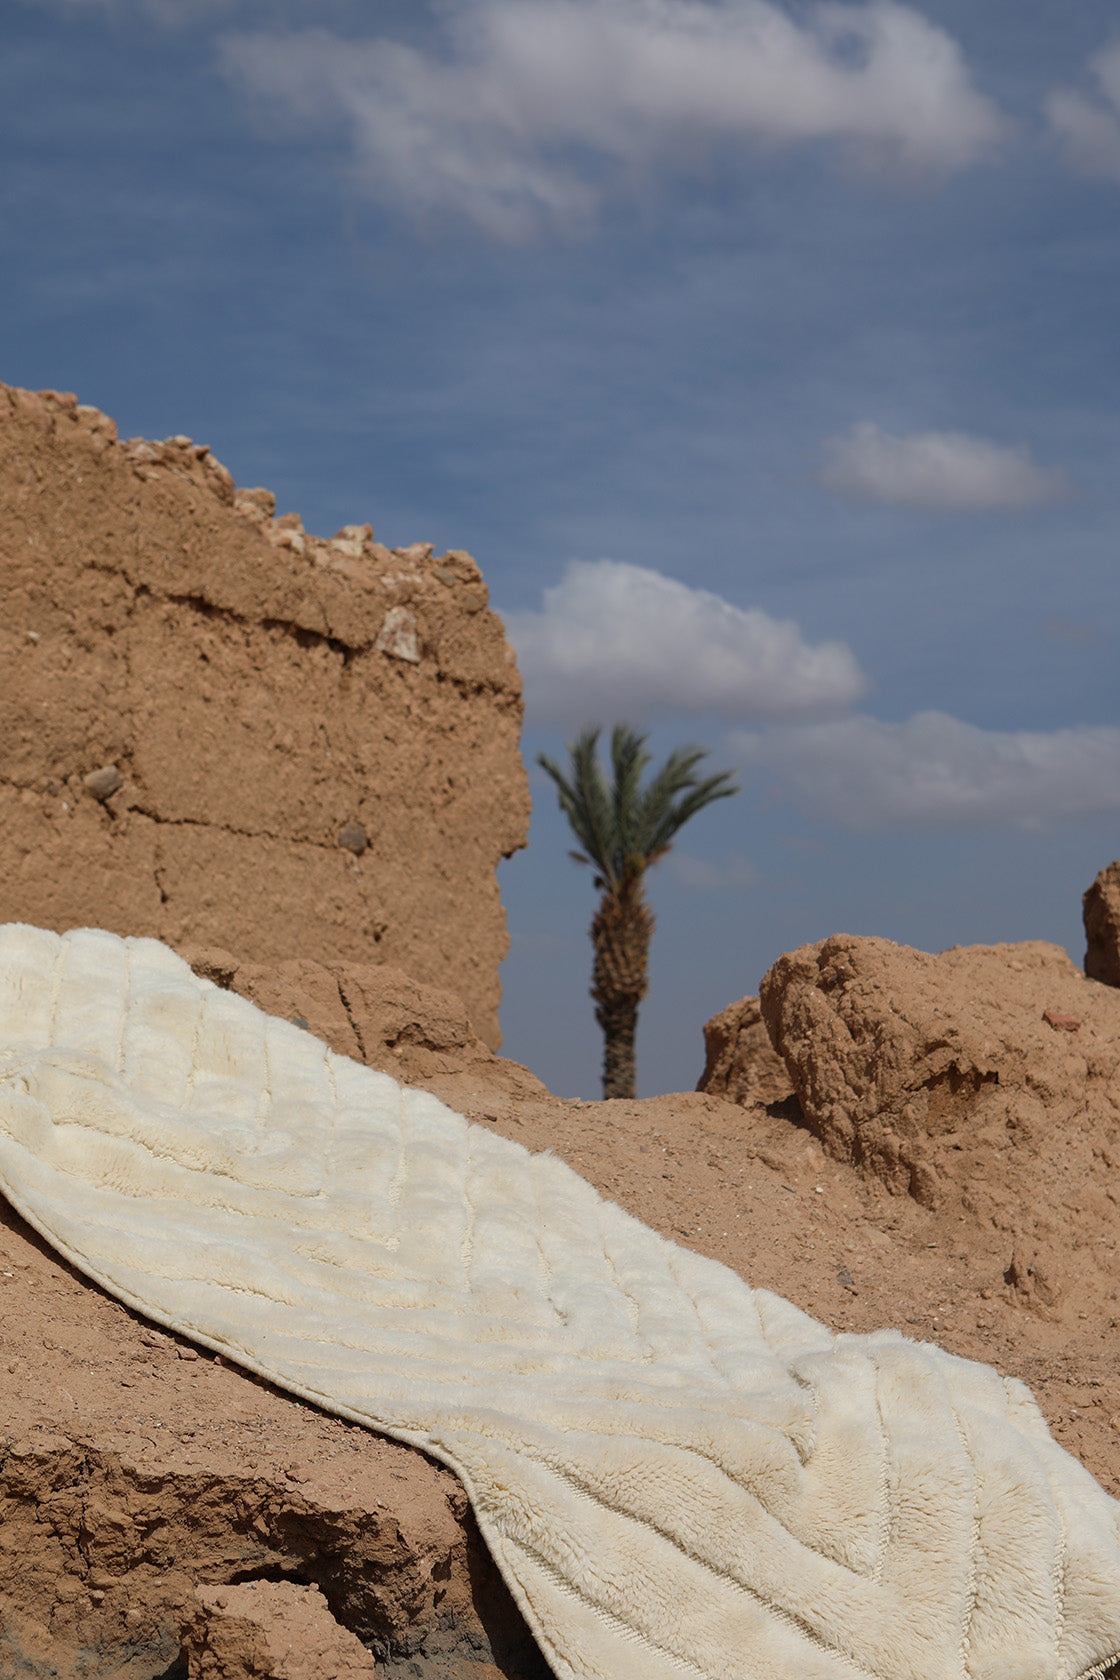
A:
530,110
939,471
617,642
1088,126
697,874
933,769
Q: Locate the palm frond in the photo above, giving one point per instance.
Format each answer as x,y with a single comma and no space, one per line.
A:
665,819
655,819
628,761
585,800
622,827
595,801
567,795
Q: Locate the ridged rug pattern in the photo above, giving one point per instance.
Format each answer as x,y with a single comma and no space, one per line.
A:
676,1474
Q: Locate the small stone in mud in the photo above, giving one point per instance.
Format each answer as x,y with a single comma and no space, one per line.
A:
103,783
353,838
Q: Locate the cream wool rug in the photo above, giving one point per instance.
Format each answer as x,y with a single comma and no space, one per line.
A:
677,1475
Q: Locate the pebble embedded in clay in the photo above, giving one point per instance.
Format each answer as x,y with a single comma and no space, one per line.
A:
352,837
103,783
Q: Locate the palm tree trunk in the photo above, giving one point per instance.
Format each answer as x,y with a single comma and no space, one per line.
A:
620,932
619,1068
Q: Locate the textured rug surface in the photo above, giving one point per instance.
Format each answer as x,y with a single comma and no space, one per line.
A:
677,1475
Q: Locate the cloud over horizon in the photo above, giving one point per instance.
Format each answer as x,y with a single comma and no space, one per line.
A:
530,112
937,770
616,641
696,874
936,471
1088,125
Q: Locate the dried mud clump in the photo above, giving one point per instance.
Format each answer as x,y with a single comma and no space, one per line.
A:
270,1630
741,1064
206,705
1101,911
373,1013
960,1077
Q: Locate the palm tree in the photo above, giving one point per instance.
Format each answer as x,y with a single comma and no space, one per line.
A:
622,829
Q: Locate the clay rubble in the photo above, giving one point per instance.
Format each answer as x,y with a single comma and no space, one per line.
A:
141,1478
1100,908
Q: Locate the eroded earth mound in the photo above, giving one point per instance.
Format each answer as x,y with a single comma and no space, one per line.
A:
220,729
985,1078
1101,910
740,1062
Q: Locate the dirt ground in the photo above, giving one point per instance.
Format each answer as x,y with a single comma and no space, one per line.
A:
134,1473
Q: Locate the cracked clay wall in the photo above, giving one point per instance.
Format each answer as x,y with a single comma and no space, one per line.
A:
249,694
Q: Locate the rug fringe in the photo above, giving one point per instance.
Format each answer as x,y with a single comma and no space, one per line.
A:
1109,1670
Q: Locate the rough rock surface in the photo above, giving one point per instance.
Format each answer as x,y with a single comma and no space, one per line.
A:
135,1471
270,1630
1100,907
200,698
375,1014
740,1062
954,1076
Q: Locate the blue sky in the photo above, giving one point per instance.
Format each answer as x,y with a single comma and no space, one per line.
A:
764,355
